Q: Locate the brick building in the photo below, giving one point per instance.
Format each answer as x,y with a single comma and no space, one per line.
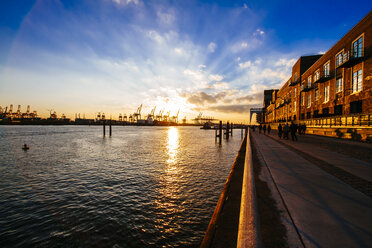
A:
336,86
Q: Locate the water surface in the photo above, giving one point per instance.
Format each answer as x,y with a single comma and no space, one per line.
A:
144,186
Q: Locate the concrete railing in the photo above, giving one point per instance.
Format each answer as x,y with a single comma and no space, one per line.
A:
249,234
211,230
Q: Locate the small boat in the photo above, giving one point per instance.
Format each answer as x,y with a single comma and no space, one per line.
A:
207,125
25,147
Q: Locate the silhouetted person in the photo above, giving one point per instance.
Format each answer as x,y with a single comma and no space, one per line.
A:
286,131
304,129
259,128
268,129
293,129
280,130
264,128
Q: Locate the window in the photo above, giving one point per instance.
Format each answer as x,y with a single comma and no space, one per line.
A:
309,101
326,93
357,81
358,48
338,110
339,84
316,95
295,92
339,58
303,100
294,106
325,111
308,115
356,107
295,77
309,82
316,76
326,70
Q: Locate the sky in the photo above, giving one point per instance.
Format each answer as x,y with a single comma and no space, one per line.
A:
209,57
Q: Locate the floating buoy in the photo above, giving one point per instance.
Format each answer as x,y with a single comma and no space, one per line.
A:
25,147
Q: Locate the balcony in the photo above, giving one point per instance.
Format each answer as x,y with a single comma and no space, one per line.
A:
350,59
305,88
324,77
293,83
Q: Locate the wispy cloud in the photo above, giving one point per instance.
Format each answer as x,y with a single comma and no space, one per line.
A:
212,47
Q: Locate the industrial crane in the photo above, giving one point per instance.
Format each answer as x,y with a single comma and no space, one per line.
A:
152,114
160,115
138,113
175,118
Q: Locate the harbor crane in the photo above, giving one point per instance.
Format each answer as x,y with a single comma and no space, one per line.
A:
138,113
152,114
175,118
160,115
200,118
166,117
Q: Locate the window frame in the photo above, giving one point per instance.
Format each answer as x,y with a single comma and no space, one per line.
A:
359,89
339,89
326,93
352,46
342,57
329,68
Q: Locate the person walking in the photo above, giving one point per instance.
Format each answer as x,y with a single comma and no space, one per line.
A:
264,129
280,131
259,128
293,129
286,131
268,129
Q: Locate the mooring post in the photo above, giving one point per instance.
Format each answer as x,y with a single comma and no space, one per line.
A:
227,130
232,125
104,128
221,134
215,138
241,133
110,128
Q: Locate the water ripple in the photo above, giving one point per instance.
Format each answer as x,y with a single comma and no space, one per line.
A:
144,186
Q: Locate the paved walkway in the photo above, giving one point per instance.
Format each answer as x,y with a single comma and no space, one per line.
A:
326,211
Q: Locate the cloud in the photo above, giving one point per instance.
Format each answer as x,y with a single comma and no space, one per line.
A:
212,47
201,98
245,64
219,86
152,34
285,62
259,32
257,97
126,2
216,77
166,18
234,108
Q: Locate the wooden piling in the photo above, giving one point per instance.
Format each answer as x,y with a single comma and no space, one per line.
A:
110,128
227,130
231,126
220,136
104,128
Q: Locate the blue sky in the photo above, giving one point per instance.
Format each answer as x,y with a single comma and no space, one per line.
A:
110,56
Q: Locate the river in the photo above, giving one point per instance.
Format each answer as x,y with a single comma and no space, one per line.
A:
142,187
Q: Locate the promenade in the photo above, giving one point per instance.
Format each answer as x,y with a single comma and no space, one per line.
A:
322,187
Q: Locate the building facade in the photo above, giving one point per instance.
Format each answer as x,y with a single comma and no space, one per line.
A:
335,84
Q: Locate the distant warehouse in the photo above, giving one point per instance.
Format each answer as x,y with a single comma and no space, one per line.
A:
330,90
